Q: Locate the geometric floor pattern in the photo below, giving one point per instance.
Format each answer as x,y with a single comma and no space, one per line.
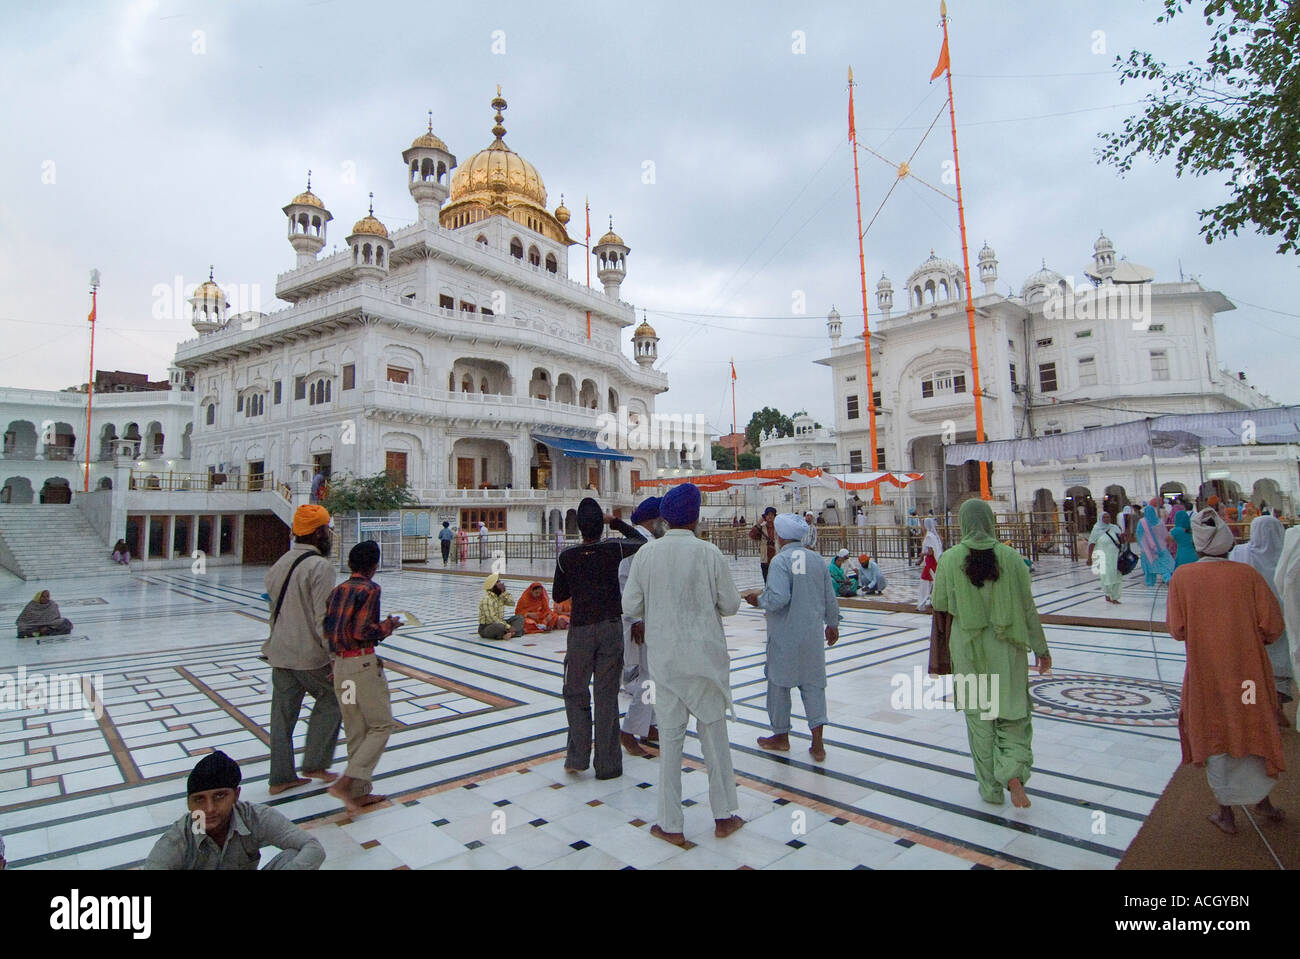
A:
474,767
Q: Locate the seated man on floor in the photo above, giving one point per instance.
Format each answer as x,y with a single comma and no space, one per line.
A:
870,578
538,613
41,617
221,832
492,622
845,584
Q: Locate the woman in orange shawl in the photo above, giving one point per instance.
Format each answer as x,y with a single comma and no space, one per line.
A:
535,607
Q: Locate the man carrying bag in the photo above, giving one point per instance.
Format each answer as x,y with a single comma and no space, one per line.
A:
301,581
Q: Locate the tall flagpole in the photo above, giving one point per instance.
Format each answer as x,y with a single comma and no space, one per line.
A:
735,449
862,269
588,200
945,61
90,383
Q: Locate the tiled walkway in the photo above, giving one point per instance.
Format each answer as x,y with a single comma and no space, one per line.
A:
475,766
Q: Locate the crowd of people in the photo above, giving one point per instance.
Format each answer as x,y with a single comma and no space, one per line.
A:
644,617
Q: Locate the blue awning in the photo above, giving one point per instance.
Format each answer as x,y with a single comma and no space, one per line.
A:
580,449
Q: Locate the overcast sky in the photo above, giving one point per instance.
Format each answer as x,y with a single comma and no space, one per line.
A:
152,138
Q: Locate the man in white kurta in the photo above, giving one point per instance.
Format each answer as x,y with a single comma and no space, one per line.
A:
803,618
681,587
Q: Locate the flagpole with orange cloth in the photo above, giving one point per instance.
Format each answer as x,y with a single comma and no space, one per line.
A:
735,449
945,67
90,383
862,270
588,245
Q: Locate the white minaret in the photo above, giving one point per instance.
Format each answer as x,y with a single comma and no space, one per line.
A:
1103,258
833,327
645,343
307,218
209,306
885,296
988,265
428,168
370,246
611,253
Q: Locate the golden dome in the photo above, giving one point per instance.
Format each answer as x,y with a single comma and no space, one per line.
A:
611,237
645,329
368,223
498,170
427,141
562,212
308,199
209,292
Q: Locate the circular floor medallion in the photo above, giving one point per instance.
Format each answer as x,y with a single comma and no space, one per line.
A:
1106,699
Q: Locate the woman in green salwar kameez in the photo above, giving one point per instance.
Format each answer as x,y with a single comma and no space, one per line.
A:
985,586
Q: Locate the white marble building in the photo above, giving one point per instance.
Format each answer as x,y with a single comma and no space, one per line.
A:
44,453
1057,357
811,446
453,351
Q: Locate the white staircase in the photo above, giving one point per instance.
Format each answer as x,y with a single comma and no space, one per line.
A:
52,540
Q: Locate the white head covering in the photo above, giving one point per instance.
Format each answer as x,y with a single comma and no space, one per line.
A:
932,538
1210,534
790,526
1264,551
842,554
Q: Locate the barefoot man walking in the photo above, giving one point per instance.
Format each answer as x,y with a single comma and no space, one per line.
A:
802,614
681,587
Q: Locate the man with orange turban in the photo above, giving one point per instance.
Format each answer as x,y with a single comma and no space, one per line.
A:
299,653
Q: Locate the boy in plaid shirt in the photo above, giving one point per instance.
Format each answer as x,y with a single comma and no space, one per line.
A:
353,628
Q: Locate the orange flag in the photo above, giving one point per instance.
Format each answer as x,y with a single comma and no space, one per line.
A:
943,61
733,369
91,317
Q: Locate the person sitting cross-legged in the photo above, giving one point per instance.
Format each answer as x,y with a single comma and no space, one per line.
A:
492,622
845,583
41,617
538,613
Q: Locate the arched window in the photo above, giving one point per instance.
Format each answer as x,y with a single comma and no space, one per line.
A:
451,382
210,416
552,265
516,248
379,255
534,256
483,385
482,241
466,384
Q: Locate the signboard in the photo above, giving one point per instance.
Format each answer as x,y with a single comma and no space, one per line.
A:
1076,478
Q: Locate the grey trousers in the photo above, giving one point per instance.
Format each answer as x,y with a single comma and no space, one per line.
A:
778,706
367,715
498,630
594,658
714,746
288,687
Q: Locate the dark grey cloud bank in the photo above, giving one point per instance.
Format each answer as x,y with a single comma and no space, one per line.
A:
166,160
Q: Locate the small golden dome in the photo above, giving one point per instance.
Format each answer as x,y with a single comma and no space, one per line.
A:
369,224
209,292
308,199
645,329
427,141
611,237
562,212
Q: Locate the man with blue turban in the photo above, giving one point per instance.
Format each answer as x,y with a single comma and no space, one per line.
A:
682,587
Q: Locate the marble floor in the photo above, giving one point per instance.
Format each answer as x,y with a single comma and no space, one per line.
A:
474,768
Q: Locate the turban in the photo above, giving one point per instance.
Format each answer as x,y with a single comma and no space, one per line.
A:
646,510
1210,534
591,518
216,770
864,559
681,505
1213,501
842,554
790,526
308,518
770,509
491,580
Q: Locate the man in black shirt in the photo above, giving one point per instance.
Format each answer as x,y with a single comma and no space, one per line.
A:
588,573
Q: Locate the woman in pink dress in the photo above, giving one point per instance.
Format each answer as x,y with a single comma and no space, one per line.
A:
462,544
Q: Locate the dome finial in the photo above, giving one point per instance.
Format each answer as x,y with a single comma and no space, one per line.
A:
431,121
499,104
210,272
611,223
372,204
309,181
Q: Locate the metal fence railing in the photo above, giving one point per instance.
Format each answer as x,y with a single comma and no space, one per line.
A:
218,482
